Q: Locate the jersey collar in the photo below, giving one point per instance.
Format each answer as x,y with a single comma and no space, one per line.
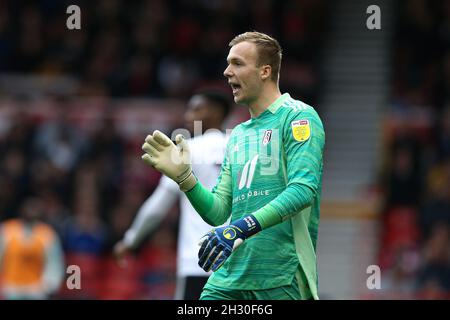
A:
272,108
278,103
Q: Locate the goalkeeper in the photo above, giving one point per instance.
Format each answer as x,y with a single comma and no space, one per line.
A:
270,184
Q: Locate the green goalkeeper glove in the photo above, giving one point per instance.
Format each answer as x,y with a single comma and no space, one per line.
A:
171,160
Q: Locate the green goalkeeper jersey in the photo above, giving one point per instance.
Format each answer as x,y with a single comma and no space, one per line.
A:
273,170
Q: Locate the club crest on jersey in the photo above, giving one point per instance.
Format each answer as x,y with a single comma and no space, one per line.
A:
267,137
301,130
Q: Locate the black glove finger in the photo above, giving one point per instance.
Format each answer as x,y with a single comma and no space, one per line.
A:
207,251
203,246
220,259
204,250
209,237
217,251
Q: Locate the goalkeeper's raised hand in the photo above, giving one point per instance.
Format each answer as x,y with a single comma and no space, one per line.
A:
171,160
218,244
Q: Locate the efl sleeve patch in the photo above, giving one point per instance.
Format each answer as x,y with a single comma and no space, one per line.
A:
301,130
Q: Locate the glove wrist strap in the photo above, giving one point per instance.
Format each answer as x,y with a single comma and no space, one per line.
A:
248,225
188,183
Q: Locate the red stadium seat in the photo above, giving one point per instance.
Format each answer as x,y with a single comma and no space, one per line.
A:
400,230
122,283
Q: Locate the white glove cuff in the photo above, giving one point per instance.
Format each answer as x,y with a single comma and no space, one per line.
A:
188,183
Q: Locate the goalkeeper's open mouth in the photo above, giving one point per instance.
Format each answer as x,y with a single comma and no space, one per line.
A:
235,87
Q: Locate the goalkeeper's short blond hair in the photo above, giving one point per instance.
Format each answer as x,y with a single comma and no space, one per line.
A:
268,48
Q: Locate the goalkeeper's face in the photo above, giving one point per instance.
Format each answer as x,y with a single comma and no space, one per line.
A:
243,73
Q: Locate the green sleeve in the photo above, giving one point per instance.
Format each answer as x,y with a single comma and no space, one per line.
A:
214,206
303,163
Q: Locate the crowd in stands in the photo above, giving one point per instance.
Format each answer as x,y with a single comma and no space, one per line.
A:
415,245
90,184
156,48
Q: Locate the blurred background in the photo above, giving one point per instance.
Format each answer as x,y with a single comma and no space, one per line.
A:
75,106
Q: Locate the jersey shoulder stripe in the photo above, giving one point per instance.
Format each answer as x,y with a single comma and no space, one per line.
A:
295,106
291,104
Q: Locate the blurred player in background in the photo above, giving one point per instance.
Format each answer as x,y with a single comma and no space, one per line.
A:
209,110
270,185
31,256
